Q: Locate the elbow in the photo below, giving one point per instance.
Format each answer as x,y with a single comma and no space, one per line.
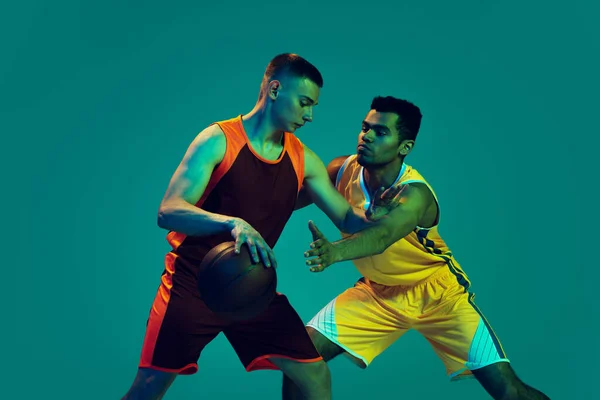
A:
163,217
345,224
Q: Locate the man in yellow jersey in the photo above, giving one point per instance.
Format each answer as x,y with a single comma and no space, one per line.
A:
411,279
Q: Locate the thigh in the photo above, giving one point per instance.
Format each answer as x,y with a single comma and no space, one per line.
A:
178,328
461,335
277,333
360,323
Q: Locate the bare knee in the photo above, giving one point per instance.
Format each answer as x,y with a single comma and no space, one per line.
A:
315,382
313,379
149,385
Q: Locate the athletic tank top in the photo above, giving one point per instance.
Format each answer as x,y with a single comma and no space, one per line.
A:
261,192
409,260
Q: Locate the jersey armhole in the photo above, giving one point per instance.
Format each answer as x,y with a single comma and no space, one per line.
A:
437,218
295,150
233,145
341,170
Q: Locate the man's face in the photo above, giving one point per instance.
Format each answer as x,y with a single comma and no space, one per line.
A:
293,106
379,140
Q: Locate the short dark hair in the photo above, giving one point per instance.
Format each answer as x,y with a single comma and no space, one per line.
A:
289,64
409,115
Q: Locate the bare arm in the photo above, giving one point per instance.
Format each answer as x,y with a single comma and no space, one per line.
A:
333,168
415,200
177,210
318,186
320,189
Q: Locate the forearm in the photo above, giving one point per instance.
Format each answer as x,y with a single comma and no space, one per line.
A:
183,217
373,240
368,242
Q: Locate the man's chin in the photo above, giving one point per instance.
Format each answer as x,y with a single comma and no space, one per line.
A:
360,159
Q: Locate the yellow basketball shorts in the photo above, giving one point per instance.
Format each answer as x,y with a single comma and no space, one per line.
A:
367,318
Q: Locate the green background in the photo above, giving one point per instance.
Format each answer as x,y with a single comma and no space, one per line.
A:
99,101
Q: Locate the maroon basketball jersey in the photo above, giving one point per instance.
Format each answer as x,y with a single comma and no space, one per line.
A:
245,185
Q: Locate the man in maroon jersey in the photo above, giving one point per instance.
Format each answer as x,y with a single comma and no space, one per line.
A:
240,178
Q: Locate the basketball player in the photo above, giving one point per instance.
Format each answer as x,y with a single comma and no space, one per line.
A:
411,279
240,178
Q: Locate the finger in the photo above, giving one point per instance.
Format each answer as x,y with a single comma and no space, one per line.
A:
316,244
379,192
252,249
317,268
316,233
272,257
314,261
264,255
389,192
399,192
239,241
312,253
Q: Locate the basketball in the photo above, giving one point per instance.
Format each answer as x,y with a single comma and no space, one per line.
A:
232,286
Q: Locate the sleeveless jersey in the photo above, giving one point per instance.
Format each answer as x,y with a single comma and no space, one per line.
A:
411,259
261,192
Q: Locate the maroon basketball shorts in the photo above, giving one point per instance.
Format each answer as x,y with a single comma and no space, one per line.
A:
180,326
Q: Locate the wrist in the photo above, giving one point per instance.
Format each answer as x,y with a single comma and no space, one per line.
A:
337,252
231,222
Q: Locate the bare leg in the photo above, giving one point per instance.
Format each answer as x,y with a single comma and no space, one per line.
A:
501,382
327,349
149,384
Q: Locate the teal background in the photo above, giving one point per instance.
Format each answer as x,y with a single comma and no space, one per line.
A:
99,101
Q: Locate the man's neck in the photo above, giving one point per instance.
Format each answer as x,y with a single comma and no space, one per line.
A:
260,128
382,176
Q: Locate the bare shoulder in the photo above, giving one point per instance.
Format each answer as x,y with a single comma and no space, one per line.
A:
190,178
313,165
418,196
210,143
419,191
334,167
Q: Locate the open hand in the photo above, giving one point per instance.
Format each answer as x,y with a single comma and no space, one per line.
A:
384,201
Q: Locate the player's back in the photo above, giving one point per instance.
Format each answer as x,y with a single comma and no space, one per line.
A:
411,259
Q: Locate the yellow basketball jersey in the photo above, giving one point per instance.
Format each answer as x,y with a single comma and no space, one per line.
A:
409,260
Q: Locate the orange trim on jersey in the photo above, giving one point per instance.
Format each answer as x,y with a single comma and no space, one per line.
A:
295,149
263,362
235,140
189,369
159,308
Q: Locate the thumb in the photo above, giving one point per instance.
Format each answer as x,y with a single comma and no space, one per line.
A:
316,233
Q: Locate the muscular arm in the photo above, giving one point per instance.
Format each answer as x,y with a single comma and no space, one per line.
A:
333,168
415,199
177,210
320,189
